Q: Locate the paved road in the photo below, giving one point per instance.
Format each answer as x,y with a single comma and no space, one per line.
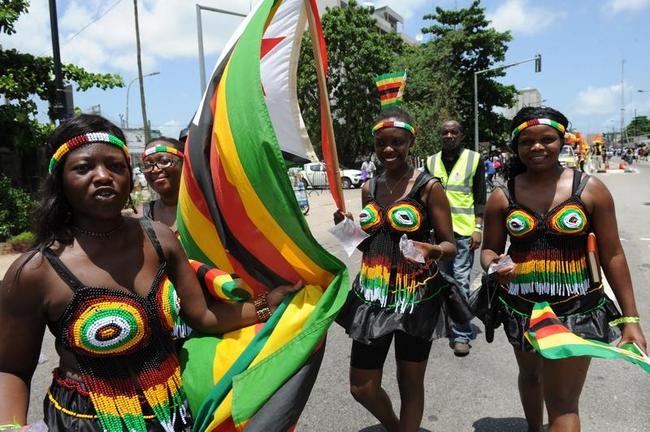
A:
476,393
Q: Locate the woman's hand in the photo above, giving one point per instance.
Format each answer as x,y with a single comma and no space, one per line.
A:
277,294
632,333
505,274
339,216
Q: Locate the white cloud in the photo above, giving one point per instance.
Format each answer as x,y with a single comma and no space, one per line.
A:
524,17
598,100
617,6
95,35
407,8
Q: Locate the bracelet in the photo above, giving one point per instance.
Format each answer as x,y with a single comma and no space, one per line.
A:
625,320
262,309
10,426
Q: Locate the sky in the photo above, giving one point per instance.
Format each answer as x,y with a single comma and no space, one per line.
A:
595,53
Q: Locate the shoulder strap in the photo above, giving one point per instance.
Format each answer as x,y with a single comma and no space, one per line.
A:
579,183
63,271
148,229
421,180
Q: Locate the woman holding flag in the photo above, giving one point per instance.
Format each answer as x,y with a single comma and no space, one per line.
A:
394,296
96,279
548,213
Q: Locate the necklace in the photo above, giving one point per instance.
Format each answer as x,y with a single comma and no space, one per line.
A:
407,174
99,234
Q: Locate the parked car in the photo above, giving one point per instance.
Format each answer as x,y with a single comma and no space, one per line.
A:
568,157
315,176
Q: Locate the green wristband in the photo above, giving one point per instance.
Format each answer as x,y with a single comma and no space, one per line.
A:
625,320
10,426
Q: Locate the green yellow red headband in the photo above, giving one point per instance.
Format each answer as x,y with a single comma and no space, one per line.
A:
535,122
393,123
83,139
162,148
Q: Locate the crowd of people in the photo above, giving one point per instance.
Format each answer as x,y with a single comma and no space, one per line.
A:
95,277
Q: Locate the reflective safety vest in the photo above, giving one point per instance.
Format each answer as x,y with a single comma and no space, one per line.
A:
458,185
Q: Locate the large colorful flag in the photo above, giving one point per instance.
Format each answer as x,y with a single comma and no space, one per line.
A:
554,340
237,212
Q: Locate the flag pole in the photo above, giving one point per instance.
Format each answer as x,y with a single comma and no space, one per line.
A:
327,133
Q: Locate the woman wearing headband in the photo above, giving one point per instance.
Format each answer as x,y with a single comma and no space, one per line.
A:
96,280
547,212
162,162
393,296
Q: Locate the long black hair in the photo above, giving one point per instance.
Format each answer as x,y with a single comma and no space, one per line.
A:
52,218
528,113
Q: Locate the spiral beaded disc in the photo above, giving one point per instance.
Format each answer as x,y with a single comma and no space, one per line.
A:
370,217
520,223
569,219
169,303
109,326
404,218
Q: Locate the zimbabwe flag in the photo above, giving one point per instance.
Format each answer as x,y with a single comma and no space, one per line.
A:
237,212
553,340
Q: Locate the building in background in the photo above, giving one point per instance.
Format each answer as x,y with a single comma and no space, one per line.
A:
525,98
387,19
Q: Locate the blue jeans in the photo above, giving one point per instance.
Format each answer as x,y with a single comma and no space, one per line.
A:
460,269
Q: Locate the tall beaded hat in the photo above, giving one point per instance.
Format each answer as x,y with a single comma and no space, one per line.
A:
391,93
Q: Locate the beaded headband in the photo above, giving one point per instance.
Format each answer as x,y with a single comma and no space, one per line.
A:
393,123
83,139
162,149
539,121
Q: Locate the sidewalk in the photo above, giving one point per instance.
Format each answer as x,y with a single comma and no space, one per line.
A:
5,262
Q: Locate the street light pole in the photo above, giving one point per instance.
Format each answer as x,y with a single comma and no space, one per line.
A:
538,68
199,32
128,89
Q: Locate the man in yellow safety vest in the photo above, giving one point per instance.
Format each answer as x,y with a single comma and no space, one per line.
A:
462,173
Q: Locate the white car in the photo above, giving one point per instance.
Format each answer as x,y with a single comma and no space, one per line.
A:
568,157
315,176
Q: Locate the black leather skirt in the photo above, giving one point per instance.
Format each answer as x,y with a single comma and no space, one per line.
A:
587,316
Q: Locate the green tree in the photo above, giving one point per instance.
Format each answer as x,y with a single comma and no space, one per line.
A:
26,77
475,47
431,94
640,125
357,52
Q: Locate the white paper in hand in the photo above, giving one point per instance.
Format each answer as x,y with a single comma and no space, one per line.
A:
349,234
409,250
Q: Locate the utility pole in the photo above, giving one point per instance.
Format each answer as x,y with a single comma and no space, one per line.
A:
145,122
622,101
58,109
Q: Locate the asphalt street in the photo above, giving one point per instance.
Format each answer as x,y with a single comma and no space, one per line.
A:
477,393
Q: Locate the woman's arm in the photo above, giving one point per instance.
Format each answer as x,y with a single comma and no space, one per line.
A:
612,256
22,325
495,235
198,309
439,214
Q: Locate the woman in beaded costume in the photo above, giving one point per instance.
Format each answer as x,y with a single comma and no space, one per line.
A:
394,296
162,163
95,279
547,212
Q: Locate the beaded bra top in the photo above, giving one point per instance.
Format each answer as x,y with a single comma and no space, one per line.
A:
549,248
386,277
122,344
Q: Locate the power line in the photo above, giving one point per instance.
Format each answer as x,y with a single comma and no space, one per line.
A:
94,21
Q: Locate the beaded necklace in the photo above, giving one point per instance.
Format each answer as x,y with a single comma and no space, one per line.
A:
99,234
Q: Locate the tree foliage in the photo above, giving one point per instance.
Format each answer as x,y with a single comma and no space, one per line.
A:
474,47
640,125
357,52
26,77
